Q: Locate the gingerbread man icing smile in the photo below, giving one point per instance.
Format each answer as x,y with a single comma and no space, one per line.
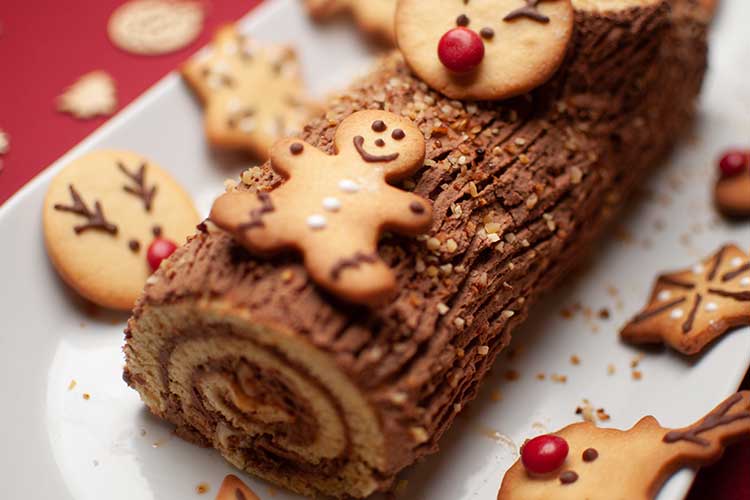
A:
332,209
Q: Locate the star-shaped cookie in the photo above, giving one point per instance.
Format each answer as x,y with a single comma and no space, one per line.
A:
253,93
373,16
691,308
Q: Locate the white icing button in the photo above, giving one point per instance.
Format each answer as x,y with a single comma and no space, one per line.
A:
234,105
664,295
247,124
736,262
745,281
711,307
698,269
331,204
677,314
348,186
316,221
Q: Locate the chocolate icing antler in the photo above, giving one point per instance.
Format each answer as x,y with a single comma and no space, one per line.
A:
721,416
140,190
529,10
96,219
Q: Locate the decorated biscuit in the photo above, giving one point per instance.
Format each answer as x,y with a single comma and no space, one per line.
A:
691,308
484,49
110,218
581,460
253,94
153,27
373,16
232,488
333,209
732,192
93,94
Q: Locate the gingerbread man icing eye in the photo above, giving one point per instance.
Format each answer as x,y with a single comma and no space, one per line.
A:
484,49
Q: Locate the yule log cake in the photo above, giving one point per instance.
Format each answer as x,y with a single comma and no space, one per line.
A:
289,382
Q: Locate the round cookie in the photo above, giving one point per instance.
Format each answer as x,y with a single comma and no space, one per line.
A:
101,213
524,43
155,27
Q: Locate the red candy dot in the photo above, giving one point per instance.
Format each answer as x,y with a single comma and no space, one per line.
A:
734,162
461,50
160,249
544,454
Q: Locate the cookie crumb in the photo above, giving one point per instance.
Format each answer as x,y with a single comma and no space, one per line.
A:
86,396
604,313
72,384
541,376
637,375
602,414
202,488
561,379
610,369
636,361
575,360
586,411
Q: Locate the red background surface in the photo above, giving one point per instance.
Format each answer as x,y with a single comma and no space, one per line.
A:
46,45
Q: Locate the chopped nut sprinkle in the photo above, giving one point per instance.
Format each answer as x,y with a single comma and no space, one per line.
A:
442,308
419,434
483,350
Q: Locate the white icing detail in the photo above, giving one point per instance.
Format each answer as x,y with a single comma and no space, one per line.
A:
745,281
316,221
736,262
331,204
698,269
664,295
711,307
348,186
677,314
234,104
247,124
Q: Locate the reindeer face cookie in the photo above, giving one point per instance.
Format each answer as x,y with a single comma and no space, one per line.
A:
484,49
333,209
106,215
732,193
691,308
253,94
605,464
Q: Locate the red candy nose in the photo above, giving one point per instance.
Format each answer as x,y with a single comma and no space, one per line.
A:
734,163
461,50
160,249
544,454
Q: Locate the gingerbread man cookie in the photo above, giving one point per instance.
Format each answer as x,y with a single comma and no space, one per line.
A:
232,488
373,16
333,209
581,460
110,218
253,94
689,309
484,49
732,192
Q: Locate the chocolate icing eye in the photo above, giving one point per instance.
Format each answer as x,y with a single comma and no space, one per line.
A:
379,126
462,20
380,143
487,33
398,134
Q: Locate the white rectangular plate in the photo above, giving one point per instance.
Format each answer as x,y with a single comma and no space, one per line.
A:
58,445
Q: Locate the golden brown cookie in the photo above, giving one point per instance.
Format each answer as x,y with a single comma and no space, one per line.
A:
691,308
232,488
253,94
333,209
609,464
373,16
154,27
484,49
91,95
732,192
101,214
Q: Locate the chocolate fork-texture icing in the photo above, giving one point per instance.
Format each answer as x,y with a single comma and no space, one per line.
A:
249,356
